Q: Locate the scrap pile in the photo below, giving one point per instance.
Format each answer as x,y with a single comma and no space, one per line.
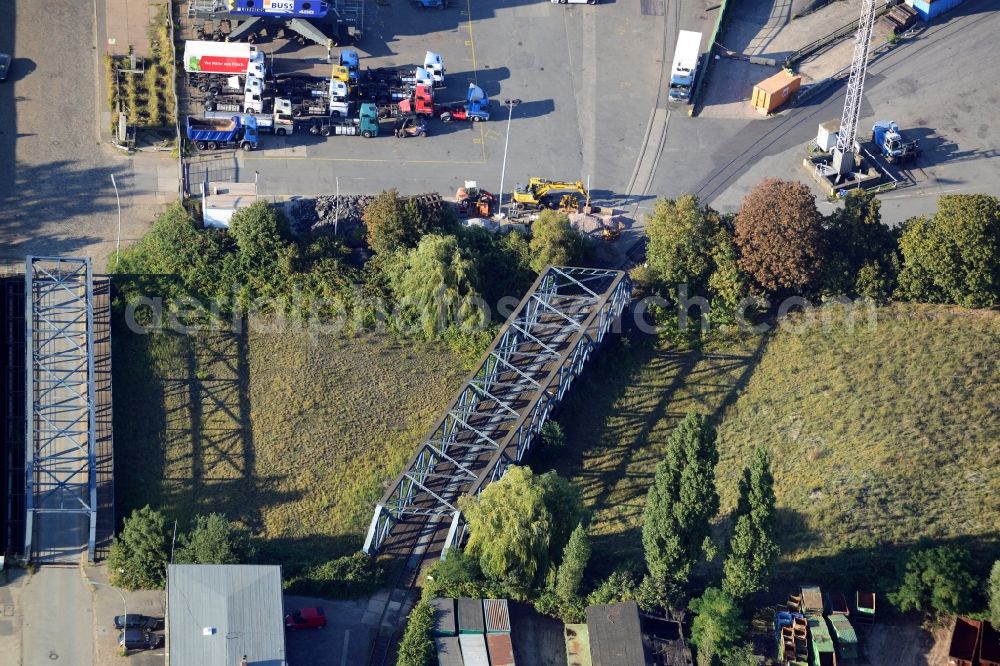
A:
311,215
813,628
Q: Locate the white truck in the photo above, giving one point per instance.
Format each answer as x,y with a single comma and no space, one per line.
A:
220,57
684,65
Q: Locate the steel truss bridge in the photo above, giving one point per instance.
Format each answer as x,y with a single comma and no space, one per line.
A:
60,476
499,411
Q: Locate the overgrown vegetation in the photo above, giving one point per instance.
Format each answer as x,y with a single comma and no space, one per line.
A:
417,648
147,97
936,579
138,556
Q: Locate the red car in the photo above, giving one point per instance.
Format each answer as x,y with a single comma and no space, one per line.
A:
307,618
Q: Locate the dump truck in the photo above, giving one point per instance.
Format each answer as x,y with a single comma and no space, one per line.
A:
214,133
891,143
687,53
965,637
541,193
366,124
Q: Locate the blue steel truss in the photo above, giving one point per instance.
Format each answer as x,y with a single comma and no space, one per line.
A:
500,410
59,465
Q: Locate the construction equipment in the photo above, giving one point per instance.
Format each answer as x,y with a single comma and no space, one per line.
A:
611,231
541,193
890,142
844,153
474,202
410,126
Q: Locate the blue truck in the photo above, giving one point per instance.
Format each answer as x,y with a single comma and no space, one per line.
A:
891,143
215,133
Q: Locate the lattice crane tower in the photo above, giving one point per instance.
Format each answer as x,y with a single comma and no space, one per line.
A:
843,153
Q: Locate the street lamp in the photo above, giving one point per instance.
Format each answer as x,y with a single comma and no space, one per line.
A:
121,594
510,104
118,241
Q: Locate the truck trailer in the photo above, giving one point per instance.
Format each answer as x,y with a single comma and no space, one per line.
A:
685,65
214,133
366,124
201,57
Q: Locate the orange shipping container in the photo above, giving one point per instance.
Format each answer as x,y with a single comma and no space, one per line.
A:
771,93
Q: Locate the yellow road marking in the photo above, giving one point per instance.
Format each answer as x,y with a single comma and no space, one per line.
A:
360,159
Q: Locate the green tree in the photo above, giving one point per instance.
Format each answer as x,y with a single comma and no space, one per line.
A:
138,556
396,223
993,593
954,257
622,584
554,241
861,251
727,284
503,264
511,525
416,648
214,540
936,579
779,233
682,236
553,434
574,562
681,504
433,287
717,627
752,549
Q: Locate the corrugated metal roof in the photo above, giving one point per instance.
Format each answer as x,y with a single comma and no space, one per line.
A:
216,613
448,651
470,616
474,649
616,636
497,616
501,650
445,622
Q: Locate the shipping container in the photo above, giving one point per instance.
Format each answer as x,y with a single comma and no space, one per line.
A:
449,653
844,636
864,604
771,93
470,616
989,646
928,9
823,652
964,641
445,621
836,604
577,637
501,649
219,57
812,600
497,616
474,649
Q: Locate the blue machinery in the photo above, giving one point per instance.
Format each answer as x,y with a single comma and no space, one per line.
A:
499,411
304,17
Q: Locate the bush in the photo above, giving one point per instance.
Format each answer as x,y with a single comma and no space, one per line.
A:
993,594
717,627
555,242
214,540
458,575
936,579
417,648
138,556
621,585
349,576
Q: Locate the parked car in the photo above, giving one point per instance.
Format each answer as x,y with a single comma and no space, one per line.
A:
4,66
138,639
306,618
135,621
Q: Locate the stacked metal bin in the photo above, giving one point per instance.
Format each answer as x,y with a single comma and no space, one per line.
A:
498,632
472,632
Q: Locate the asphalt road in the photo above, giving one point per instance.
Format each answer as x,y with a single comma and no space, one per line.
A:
57,621
935,86
588,78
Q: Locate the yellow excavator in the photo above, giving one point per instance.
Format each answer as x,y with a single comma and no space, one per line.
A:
541,193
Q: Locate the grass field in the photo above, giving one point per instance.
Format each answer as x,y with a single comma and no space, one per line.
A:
881,434
291,435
